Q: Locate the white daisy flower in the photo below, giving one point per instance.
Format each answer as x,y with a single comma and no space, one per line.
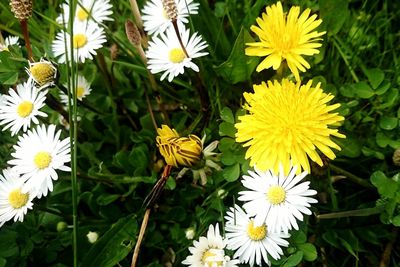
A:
209,251
166,55
88,37
21,107
99,10
156,21
251,243
277,200
82,90
38,154
14,202
44,73
10,40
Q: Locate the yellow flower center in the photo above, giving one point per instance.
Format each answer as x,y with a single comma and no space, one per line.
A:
17,199
207,262
176,55
79,40
81,14
42,72
276,194
256,233
42,159
24,109
80,91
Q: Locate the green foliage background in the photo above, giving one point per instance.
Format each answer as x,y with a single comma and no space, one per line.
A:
118,161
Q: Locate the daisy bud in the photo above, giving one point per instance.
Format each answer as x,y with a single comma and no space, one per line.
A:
396,157
189,233
114,51
92,237
22,9
170,9
61,226
132,32
44,73
184,151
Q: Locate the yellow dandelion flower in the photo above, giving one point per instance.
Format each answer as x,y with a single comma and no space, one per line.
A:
286,124
184,151
285,37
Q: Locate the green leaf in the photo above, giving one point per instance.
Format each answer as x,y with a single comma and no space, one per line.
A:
351,147
8,244
309,250
104,200
299,237
372,153
171,183
383,88
8,78
114,245
227,129
375,77
334,14
390,98
386,187
3,262
238,67
231,173
388,123
294,259
227,115
363,90
396,221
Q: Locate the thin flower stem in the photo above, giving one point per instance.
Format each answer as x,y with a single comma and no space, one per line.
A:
350,176
175,24
140,237
25,32
352,213
73,131
344,57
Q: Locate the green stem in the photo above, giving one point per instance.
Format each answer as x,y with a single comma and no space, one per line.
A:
344,57
350,176
353,213
73,131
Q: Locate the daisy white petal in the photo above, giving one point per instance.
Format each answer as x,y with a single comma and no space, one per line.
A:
14,202
82,90
277,200
88,37
252,243
38,154
21,107
100,11
156,21
209,251
166,55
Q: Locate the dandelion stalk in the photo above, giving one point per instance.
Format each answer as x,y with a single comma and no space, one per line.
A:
25,32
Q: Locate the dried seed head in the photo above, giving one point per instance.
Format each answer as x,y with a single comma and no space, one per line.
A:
132,32
171,9
22,9
396,157
114,51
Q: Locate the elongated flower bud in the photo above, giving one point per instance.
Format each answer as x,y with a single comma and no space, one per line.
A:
396,157
22,9
132,32
170,9
178,151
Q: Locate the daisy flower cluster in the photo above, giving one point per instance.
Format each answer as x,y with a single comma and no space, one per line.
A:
286,125
172,47
36,157
88,32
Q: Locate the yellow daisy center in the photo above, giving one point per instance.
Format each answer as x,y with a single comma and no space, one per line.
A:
79,40
17,199
256,233
42,159
42,72
24,109
81,14
176,55
80,90
287,124
276,194
209,263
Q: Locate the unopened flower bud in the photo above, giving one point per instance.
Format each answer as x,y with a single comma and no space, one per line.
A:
170,9
22,9
396,157
92,237
61,226
44,73
189,233
114,51
132,32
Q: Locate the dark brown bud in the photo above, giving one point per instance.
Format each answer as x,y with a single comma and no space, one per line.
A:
171,9
132,32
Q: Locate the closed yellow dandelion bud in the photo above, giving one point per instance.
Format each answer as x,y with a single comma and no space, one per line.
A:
178,151
170,9
22,9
